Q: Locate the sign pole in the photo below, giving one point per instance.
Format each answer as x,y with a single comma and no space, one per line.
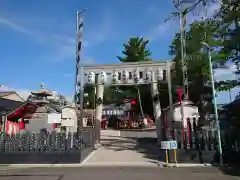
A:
166,157
175,155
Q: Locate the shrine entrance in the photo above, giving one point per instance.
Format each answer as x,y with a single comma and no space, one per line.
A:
127,74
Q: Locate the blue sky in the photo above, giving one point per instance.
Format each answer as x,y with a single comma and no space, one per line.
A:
38,37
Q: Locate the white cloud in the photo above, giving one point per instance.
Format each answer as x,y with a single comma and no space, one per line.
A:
23,93
63,46
171,26
101,30
158,31
21,29
15,26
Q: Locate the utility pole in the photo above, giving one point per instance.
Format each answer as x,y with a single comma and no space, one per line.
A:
183,24
215,103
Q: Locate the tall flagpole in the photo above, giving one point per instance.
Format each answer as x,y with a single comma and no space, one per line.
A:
79,64
77,61
183,23
79,31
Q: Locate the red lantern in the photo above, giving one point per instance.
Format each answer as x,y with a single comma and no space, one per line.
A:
133,102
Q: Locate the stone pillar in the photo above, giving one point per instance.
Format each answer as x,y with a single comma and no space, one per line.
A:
156,107
99,108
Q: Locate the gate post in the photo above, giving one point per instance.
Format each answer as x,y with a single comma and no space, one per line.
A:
156,107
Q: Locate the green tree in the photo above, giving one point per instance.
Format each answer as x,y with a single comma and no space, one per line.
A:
229,13
197,59
135,50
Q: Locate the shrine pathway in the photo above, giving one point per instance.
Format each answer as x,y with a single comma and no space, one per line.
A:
124,151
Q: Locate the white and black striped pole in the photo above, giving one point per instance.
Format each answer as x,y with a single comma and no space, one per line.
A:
79,41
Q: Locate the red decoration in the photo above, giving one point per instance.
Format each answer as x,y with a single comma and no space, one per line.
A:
21,124
11,128
54,126
180,93
133,102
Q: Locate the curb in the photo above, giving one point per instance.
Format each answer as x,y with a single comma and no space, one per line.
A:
80,165
138,130
109,164
183,165
120,164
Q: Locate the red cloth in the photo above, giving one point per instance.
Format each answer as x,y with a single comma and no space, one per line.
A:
11,128
54,126
21,124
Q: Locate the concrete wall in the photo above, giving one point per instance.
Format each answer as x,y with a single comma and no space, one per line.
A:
36,124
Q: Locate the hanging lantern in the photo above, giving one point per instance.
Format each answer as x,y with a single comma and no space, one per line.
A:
114,77
103,112
136,75
91,78
159,74
102,78
111,113
147,75
125,76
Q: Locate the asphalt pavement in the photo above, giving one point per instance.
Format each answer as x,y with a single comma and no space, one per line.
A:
116,173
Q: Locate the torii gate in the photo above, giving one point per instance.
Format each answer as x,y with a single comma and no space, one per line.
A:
138,73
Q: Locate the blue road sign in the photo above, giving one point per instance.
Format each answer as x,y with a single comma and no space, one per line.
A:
173,144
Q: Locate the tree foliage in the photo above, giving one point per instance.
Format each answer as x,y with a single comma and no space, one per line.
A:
197,59
135,50
221,32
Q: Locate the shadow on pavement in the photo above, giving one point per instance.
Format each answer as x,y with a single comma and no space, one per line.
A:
151,150
232,170
147,146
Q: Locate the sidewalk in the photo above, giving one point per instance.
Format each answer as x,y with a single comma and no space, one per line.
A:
117,151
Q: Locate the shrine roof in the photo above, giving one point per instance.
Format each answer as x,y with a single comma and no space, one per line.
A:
10,107
6,93
7,106
42,92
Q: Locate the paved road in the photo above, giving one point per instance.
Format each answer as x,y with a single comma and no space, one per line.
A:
117,150
117,173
